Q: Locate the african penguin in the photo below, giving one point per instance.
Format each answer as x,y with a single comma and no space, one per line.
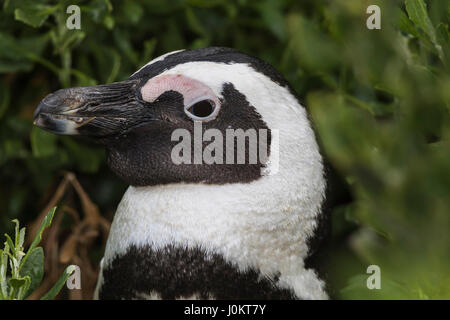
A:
202,230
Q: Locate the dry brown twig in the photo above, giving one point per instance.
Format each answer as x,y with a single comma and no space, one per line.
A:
74,248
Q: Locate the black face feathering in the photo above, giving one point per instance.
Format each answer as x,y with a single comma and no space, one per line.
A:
132,156
142,156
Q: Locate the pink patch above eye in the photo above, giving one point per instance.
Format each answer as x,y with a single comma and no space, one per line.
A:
192,90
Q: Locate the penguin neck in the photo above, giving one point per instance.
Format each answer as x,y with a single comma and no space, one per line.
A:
262,225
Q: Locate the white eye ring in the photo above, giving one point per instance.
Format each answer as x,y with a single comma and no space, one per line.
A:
203,108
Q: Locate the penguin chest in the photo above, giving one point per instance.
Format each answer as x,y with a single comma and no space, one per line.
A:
203,241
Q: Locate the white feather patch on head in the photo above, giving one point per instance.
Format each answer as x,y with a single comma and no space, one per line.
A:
263,224
160,58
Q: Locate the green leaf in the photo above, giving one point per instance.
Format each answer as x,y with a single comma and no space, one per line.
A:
404,24
443,40
3,269
46,222
33,14
272,16
14,148
417,12
14,66
59,284
10,243
122,41
98,9
16,283
310,47
43,143
34,268
19,54
24,289
21,237
17,234
68,41
109,22
12,56
133,11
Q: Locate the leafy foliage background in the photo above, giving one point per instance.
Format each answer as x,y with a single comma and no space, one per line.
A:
380,101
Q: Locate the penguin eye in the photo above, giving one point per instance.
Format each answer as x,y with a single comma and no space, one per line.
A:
203,110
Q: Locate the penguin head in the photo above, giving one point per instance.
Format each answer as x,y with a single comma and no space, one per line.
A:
257,214
213,88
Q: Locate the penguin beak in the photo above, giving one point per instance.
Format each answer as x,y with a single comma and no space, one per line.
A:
96,111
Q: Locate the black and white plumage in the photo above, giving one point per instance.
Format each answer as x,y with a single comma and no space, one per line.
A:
185,231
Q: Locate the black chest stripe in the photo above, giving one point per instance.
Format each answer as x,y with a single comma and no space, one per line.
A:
176,272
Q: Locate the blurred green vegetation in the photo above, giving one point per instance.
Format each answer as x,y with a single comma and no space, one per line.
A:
380,100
